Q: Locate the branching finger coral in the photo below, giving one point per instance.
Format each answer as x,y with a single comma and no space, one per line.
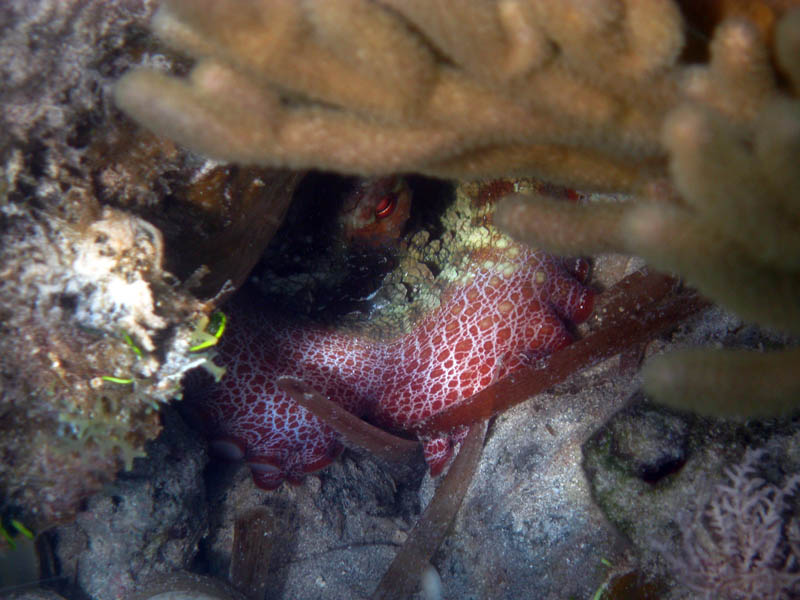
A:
730,225
572,91
730,382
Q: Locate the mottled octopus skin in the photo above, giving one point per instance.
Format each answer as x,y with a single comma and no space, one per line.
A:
507,309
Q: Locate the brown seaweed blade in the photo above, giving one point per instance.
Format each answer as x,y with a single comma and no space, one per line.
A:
355,431
403,576
635,310
254,537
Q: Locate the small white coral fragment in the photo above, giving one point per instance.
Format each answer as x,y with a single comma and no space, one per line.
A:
107,276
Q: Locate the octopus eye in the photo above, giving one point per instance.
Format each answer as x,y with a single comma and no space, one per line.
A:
385,206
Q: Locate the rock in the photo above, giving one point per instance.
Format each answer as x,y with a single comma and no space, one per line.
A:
150,521
649,443
650,469
182,585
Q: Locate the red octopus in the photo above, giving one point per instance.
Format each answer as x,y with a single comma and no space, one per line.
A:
507,307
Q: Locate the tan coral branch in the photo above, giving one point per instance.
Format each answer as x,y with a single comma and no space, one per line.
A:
374,88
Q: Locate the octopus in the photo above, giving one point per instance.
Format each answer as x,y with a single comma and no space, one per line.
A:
508,306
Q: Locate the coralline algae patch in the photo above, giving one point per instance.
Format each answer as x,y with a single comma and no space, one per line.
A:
500,305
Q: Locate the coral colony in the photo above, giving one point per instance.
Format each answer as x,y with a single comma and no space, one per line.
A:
573,92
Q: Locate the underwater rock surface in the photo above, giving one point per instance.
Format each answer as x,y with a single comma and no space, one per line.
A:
148,522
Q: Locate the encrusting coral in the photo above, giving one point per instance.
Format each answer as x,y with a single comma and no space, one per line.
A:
730,225
570,91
